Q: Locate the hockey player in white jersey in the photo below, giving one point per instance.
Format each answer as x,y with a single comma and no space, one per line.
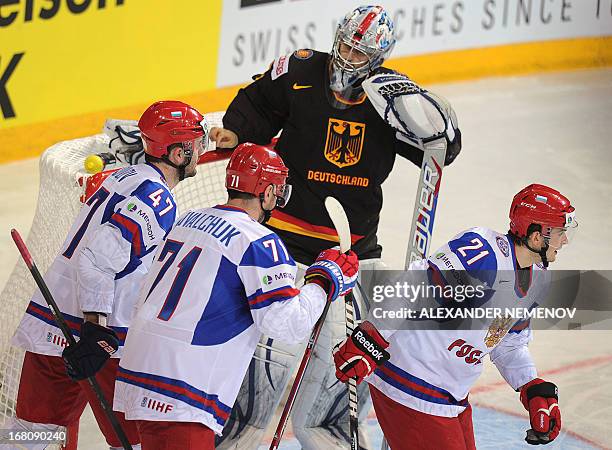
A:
97,275
420,378
221,280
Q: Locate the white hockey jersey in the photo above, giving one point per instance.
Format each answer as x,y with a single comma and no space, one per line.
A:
220,281
432,371
102,264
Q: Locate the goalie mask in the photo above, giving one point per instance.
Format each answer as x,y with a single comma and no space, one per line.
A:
364,39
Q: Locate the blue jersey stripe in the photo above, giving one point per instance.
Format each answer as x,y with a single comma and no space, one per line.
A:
415,386
179,390
74,323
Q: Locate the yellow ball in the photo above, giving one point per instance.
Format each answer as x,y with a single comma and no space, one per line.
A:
94,164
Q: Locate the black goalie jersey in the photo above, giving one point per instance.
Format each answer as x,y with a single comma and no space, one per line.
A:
343,152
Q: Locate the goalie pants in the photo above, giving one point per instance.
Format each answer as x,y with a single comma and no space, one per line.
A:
175,435
406,428
48,395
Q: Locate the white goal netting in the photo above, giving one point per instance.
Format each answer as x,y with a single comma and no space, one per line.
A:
61,167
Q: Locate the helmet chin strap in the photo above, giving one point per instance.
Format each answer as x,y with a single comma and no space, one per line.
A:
267,213
181,168
541,252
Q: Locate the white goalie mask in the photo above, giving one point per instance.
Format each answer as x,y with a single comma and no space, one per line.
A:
364,39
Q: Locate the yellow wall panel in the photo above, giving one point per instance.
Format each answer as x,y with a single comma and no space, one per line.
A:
105,58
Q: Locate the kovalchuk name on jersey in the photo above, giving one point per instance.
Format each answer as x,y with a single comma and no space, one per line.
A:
220,281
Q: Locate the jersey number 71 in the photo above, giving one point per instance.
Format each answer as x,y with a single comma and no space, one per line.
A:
185,267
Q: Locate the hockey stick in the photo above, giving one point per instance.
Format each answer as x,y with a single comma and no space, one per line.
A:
338,217
61,323
425,207
426,201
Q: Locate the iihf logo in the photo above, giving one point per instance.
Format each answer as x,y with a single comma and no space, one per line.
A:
267,280
156,405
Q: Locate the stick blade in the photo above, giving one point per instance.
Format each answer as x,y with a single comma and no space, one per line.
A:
341,224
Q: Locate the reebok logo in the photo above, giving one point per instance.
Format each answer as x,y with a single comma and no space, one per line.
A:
371,348
106,347
297,87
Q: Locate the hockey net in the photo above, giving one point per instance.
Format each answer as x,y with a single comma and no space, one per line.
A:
62,181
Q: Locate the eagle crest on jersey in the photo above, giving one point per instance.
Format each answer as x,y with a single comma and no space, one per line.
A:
344,142
497,330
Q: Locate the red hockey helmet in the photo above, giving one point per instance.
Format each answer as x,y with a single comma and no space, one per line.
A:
541,205
252,168
172,122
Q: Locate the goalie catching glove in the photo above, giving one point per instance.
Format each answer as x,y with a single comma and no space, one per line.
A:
418,116
96,345
334,271
540,398
360,353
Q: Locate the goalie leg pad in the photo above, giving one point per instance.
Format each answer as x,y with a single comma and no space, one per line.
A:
262,389
320,415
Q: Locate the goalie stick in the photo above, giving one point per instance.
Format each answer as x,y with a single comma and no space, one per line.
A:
426,201
340,221
425,205
61,323
424,120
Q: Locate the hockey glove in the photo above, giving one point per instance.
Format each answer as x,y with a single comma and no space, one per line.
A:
540,398
334,271
360,354
85,358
